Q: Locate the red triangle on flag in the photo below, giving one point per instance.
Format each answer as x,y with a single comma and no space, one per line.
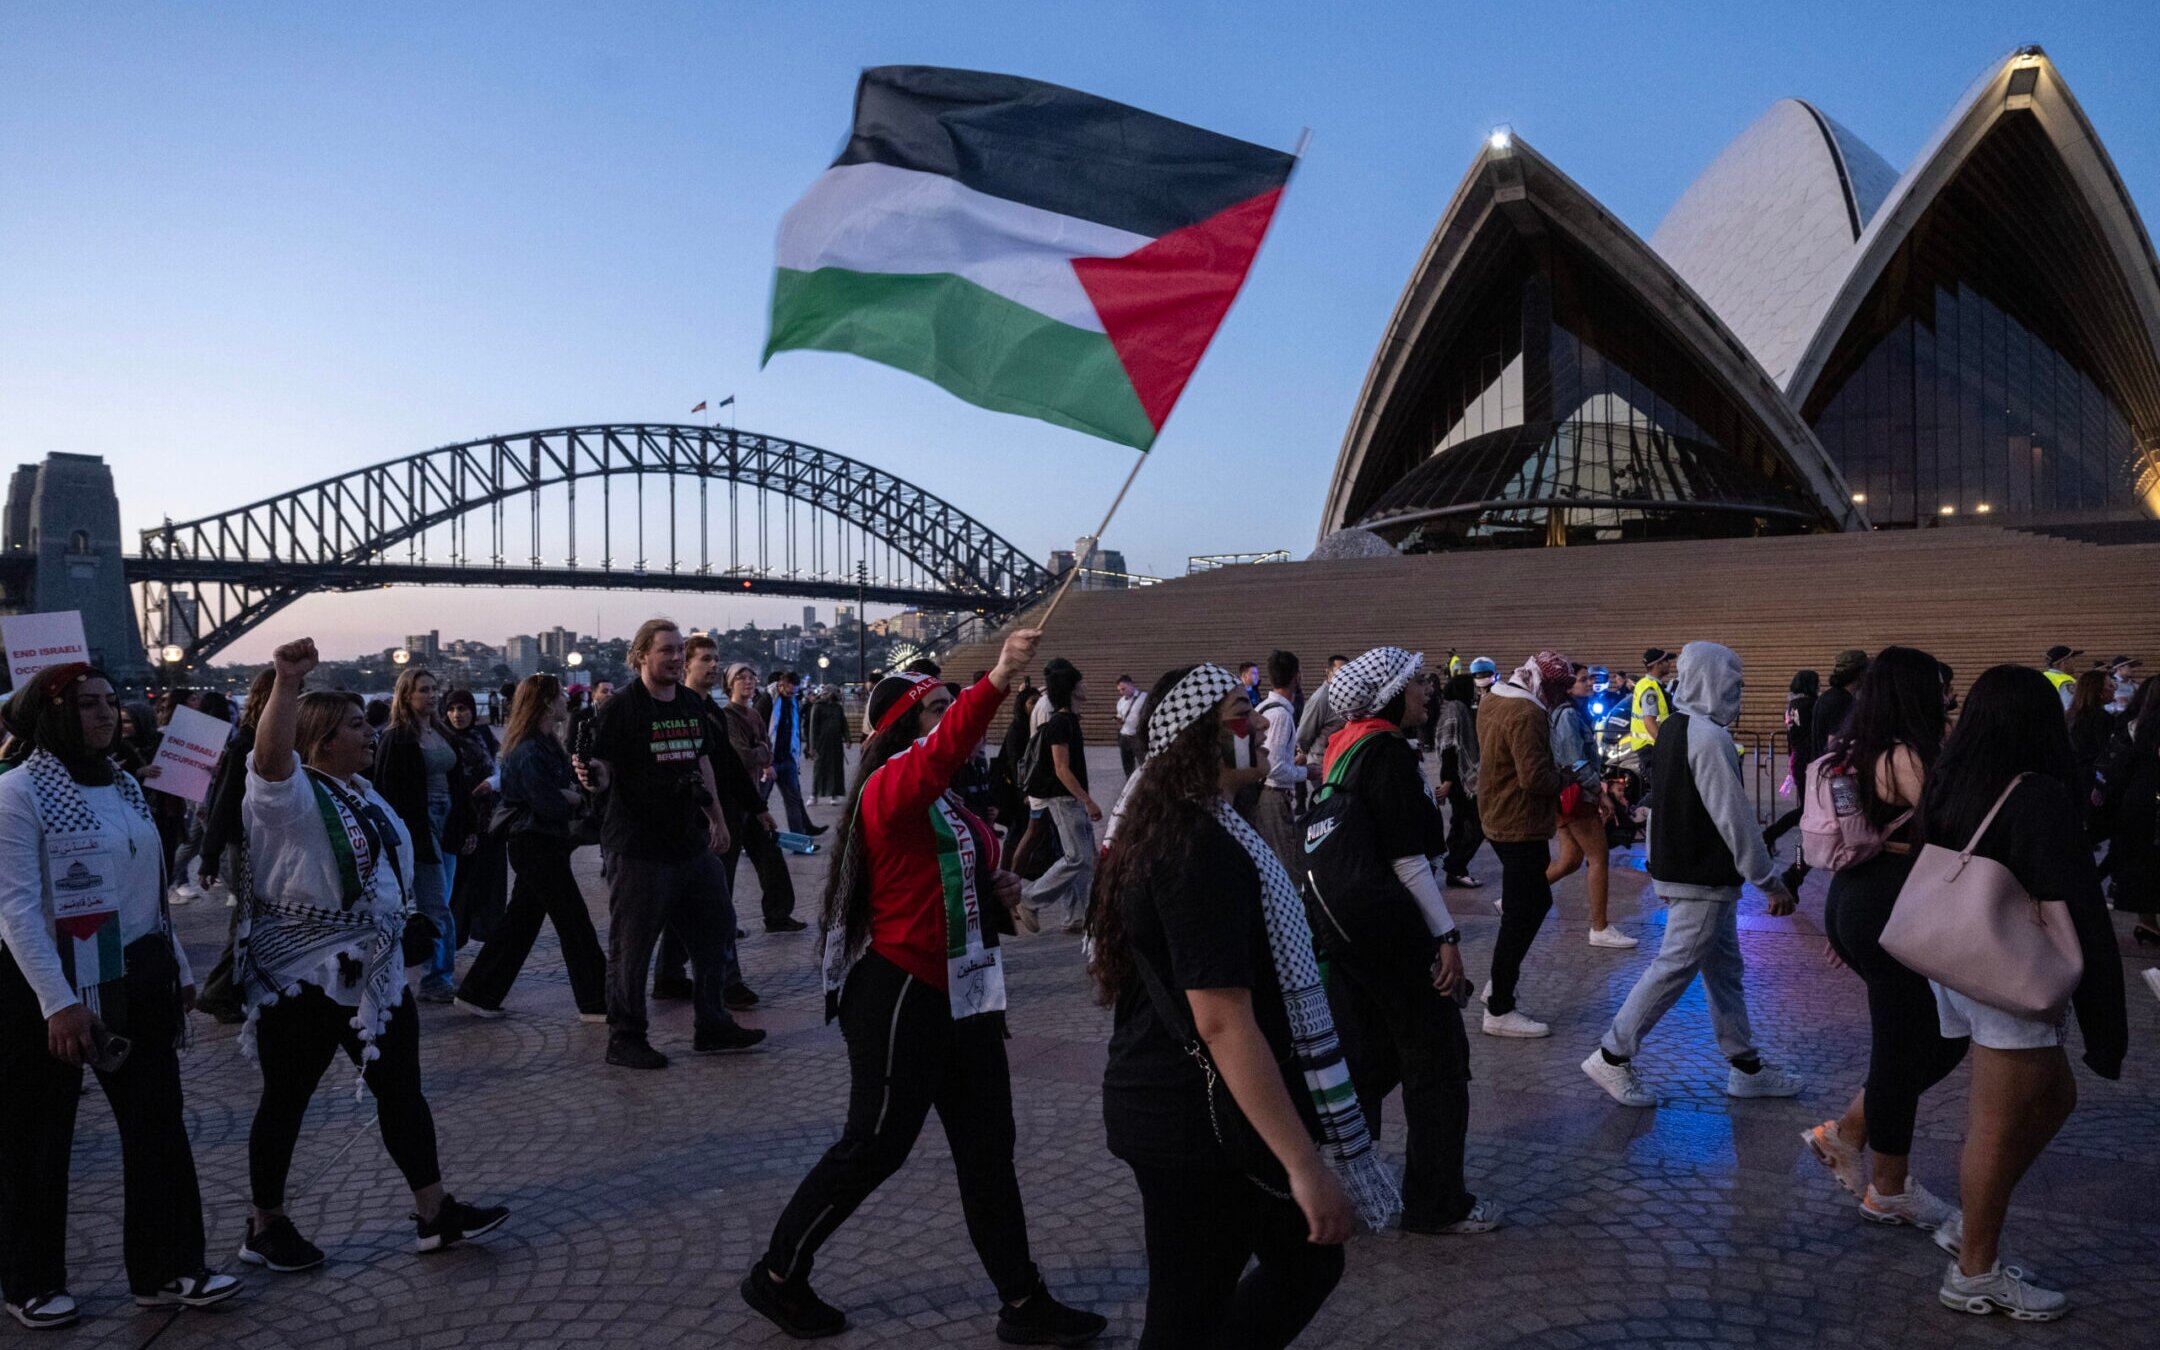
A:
1161,303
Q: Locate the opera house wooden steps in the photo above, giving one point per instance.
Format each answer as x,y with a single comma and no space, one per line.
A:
1975,596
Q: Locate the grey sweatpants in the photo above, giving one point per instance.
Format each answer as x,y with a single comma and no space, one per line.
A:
1700,936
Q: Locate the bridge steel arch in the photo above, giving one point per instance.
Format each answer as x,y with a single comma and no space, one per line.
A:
248,563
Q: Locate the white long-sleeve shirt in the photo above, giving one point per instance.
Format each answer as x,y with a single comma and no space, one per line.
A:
1417,874
26,925
1280,741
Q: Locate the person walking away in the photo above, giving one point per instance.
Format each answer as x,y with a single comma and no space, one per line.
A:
1457,744
2091,727
1704,841
2011,747
330,867
1396,981
1892,741
2129,809
90,973
1130,708
1007,767
908,949
828,745
480,885
225,847
1061,781
417,771
1276,811
784,731
1583,810
1800,751
1202,948
1519,809
540,797
663,830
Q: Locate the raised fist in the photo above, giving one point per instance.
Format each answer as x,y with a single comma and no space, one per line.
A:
295,659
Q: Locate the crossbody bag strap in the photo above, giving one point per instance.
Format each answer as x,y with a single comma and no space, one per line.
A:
1989,819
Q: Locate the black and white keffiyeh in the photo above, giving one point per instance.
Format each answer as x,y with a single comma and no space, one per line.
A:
1344,1139
1365,685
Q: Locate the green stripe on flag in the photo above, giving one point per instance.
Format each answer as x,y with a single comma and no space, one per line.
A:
955,881
980,346
111,952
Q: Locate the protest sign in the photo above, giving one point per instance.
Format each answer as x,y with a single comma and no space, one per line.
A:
188,755
35,641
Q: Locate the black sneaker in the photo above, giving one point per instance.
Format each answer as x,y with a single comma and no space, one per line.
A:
790,924
738,996
815,830
279,1247
672,988
791,1306
733,1040
455,1222
199,1290
1042,1320
625,1053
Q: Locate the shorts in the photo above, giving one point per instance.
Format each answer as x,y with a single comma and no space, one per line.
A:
1992,1027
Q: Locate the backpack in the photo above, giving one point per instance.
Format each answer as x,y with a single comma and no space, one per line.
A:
1834,829
1357,907
1038,768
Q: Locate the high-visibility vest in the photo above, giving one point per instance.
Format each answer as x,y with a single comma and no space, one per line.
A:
1649,701
2061,682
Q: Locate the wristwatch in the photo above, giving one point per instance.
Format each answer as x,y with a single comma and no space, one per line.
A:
1452,937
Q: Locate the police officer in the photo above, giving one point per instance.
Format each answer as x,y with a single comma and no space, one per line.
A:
1649,704
2064,682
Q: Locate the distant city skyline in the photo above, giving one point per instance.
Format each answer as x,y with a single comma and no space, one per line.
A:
251,245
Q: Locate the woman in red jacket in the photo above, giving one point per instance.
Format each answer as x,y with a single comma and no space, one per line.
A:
913,971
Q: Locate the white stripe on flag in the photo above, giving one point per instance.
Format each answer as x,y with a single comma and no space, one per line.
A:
877,218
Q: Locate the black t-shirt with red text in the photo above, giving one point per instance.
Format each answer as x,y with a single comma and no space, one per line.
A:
653,748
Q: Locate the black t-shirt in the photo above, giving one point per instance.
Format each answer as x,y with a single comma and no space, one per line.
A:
653,748
1388,781
1197,922
1063,728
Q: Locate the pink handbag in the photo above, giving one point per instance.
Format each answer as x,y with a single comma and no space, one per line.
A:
1966,923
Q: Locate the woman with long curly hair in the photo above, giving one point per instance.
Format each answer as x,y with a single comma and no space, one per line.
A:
912,969
1201,946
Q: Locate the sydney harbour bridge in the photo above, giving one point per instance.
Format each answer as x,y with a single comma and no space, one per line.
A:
625,506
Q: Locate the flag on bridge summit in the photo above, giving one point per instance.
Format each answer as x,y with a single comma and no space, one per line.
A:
700,407
1030,248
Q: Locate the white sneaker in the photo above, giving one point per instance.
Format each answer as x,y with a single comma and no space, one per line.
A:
1515,1027
1499,905
186,891
1618,1080
477,1010
1610,937
1768,1081
1484,1216
2152,980
1915,1206
1848,1164
56,1309
232,902
1484,995
2000,1291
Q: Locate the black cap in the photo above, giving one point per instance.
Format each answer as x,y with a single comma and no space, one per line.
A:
1652,655
2059,653
2124,661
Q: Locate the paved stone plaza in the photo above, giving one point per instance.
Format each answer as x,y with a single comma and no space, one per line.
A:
640,1199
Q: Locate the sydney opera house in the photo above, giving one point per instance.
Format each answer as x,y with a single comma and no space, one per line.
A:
1811,341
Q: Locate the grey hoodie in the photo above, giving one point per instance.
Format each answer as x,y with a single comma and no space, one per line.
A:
1707,689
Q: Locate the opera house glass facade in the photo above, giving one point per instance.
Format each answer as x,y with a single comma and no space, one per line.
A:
1811,341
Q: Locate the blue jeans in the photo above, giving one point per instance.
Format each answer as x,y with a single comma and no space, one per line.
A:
1065,884
431,894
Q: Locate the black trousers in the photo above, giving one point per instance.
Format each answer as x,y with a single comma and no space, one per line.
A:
645,898
162,1231
906,1055
543,889
1397,1030
1464,832
1128,752
1204,1227
1525,900
295,1040
1907,1052
776,891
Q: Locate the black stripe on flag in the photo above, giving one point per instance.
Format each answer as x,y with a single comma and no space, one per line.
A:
1055,148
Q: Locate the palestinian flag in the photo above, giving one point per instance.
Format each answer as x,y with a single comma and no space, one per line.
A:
1032,249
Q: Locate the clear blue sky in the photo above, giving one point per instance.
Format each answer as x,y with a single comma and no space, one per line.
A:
244,246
